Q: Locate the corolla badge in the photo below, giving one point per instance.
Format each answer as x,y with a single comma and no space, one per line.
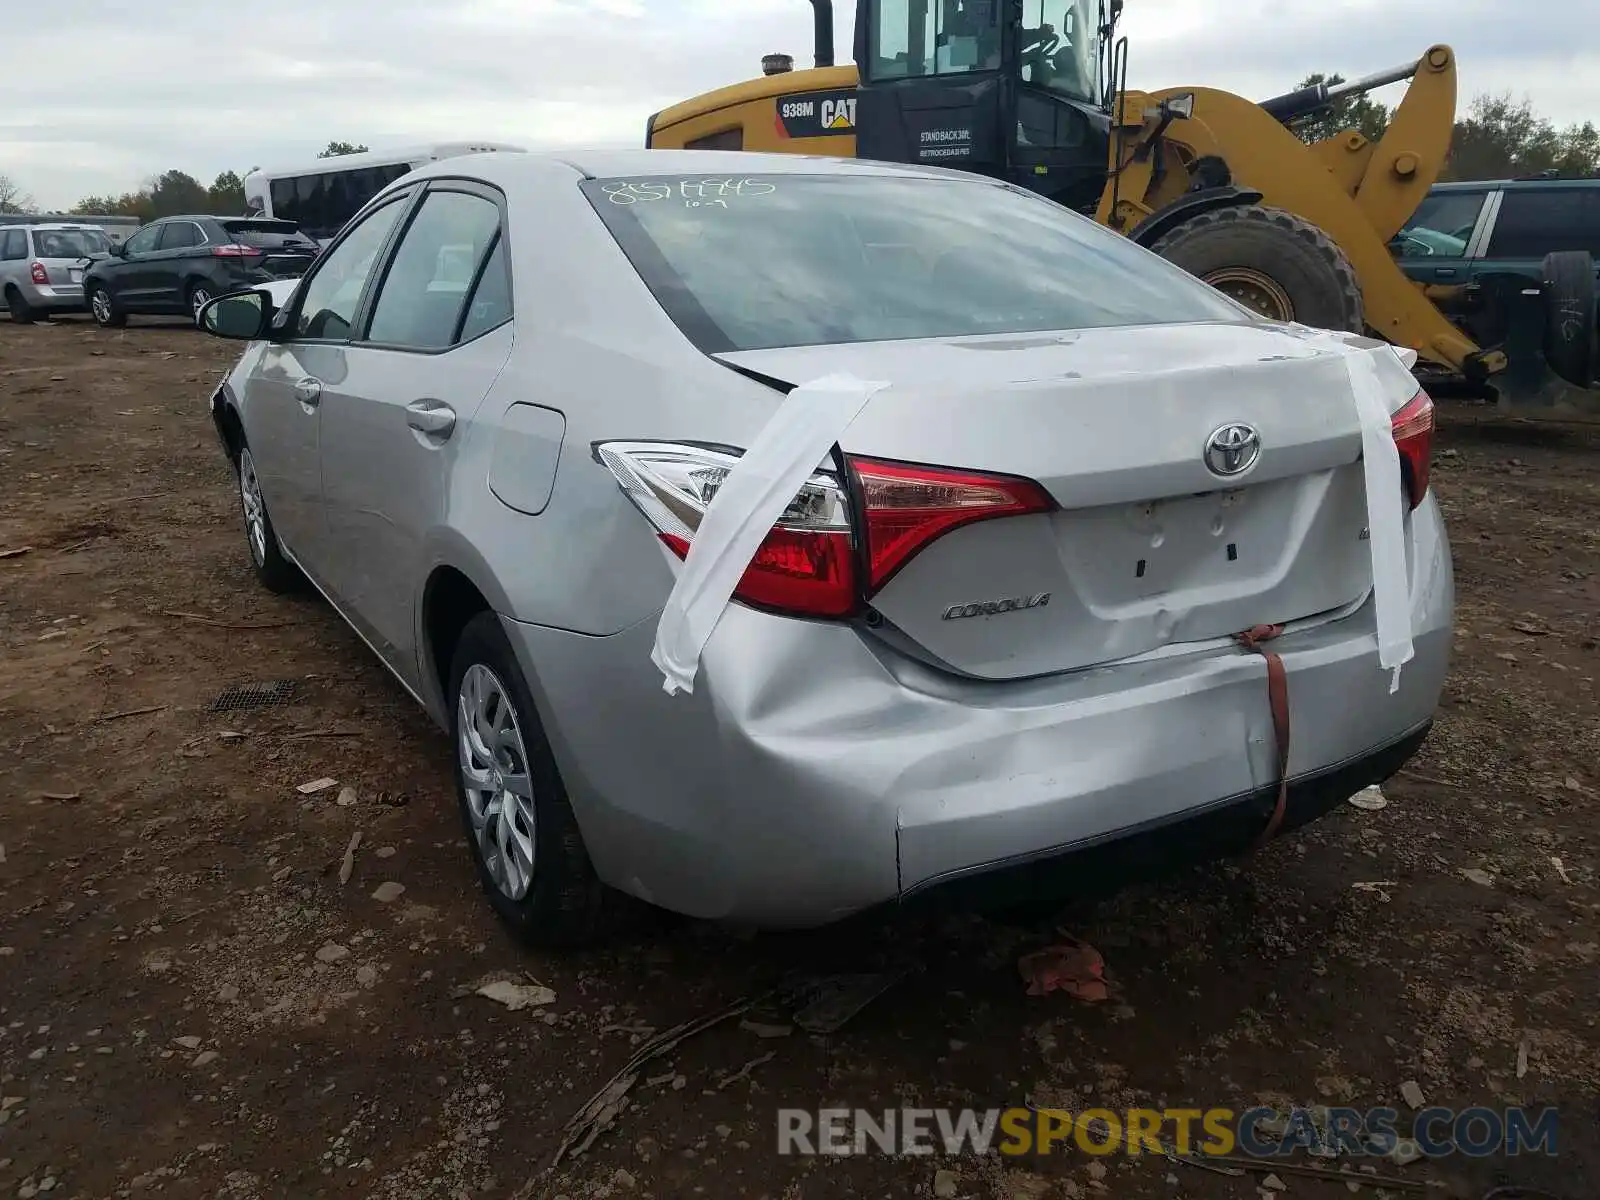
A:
1232,450
993,608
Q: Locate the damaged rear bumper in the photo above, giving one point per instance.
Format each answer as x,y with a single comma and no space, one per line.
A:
815,772
1226,828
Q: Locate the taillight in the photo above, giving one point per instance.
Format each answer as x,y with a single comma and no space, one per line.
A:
907,507
807,564
804,567
1413,437
232,251
39,274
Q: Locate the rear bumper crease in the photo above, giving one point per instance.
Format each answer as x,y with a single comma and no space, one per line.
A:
1218,829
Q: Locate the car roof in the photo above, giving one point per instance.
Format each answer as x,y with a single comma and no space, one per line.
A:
608,162
1467,185
55,225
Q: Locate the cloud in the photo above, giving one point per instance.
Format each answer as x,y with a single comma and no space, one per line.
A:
203,89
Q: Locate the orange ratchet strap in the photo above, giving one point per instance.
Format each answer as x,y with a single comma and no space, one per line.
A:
1278,699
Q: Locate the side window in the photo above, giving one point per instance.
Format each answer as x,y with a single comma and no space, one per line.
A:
328,303
490,305
1535,221
145,240
311,192
180,234
1442,225
422,297
285,204
13,245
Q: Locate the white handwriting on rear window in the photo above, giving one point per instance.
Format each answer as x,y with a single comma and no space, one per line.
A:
723,189
633,193
695,193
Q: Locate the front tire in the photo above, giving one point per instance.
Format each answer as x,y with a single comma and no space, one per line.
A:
21,313
1271,261
275,572
526,845
104,309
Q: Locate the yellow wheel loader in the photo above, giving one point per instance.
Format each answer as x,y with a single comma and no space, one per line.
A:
1033,92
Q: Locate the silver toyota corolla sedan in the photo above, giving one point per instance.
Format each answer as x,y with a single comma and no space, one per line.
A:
989,639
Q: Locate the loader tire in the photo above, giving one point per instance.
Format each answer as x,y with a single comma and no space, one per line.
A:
1569,315
1271,261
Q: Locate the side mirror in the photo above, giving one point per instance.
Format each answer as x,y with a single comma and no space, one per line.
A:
117,250
243,316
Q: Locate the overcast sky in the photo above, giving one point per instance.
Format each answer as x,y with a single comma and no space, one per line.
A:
99,95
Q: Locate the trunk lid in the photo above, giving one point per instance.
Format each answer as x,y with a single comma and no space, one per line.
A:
1149,547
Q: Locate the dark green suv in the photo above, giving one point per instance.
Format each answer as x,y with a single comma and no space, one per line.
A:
1475,245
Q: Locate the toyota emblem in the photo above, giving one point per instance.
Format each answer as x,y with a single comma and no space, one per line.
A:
1232,450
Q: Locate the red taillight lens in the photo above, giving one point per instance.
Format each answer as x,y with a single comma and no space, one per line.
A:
232,251
801,572
908,507
1413,437
39,274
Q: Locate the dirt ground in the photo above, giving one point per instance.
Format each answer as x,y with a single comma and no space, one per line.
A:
193,1004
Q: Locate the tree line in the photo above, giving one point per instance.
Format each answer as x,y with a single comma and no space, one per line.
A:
1498,138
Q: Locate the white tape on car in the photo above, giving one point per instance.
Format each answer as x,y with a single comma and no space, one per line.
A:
751,499
1372,382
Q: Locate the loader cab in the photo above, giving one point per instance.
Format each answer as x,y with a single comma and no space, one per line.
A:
1013,89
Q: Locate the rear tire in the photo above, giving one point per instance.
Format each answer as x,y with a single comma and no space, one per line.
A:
1271,261
554,899
21,313
104,309
199,294
1569,315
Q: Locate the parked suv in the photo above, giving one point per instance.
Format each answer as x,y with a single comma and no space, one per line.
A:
1473,245
177,264
42,267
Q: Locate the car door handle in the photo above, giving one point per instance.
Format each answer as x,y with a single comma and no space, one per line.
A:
431,417
1444,272
308,391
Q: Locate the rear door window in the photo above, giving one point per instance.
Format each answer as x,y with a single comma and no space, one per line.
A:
422,298
13,245
180,235
1534,222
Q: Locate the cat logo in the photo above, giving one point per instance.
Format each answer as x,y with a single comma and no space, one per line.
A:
839,114
817,114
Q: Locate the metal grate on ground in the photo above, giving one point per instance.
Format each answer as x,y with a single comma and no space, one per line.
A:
272,693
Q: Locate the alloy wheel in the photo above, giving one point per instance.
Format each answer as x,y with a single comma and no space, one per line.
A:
255,511
495,777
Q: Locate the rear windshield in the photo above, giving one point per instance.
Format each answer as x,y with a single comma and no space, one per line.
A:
68,243
750,263
267,234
